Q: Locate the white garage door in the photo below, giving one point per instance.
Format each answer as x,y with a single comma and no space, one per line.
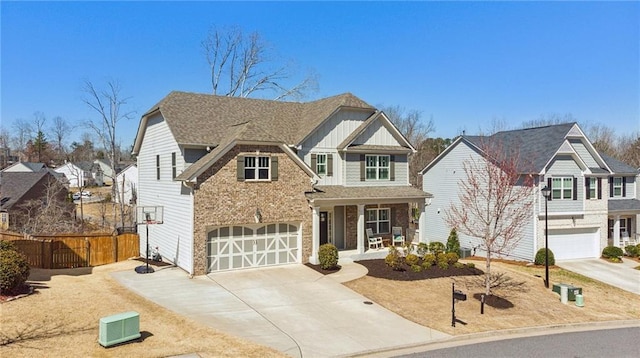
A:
236,247
575,243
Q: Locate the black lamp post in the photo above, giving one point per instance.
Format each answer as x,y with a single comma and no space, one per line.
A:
546,192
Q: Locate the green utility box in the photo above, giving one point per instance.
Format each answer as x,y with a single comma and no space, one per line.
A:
573,291
119,328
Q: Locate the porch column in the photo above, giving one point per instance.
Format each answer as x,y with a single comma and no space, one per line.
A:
361,229
315,235
616,231
422,222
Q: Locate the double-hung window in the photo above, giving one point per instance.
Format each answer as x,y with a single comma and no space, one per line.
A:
562,188
321,164
256,168
173,165
617,187
377,167
378,220
593,188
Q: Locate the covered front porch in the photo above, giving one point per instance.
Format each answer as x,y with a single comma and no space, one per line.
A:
341,215
623,222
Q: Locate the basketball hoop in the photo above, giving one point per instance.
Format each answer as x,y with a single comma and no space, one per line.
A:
148,215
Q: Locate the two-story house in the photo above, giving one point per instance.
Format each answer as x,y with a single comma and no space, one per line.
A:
249,183
81,174
593,201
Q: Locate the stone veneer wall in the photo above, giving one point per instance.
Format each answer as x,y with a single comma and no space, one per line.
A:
399,217
220,199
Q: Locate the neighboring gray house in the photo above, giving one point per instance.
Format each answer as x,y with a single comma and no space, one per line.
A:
248,183
105,168
594,201
29,167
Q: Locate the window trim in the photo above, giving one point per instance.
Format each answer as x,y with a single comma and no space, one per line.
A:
257,167
619,186
377,221
323,164
562,189
593,187
378,168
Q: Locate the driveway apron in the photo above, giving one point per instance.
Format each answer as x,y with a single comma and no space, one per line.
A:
621,275
291,308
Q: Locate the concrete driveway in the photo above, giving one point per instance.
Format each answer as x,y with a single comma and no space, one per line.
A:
621,275
293,309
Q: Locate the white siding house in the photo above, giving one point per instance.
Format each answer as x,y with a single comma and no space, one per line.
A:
127,181
157,187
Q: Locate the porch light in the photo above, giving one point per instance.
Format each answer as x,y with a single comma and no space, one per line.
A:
546,192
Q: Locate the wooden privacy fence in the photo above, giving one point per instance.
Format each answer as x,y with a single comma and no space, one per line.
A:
74,250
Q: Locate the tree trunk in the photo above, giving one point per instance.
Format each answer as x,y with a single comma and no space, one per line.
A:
487,275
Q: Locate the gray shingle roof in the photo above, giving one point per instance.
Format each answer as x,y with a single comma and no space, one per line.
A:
617,166
204,119
14,185
536,146
334,192
624,205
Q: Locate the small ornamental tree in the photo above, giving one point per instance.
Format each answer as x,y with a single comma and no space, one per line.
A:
495,199
453,243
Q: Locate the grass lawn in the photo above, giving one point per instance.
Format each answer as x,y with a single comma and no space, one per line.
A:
61,319
428,301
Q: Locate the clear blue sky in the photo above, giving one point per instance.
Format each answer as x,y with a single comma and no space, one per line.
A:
462,64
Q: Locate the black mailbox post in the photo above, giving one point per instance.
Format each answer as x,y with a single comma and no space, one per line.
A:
455,296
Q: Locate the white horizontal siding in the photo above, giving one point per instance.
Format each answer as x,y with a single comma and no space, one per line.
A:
127,183
175,237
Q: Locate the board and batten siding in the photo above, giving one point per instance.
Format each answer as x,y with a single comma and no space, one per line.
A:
174,238
377,134
331,133
584,154
565,166
352,171
442,180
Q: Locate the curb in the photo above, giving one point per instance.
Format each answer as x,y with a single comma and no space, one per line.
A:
498,335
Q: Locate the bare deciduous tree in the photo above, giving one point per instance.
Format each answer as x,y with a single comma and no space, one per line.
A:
23,132
49,214
629,149
60,130
416,130
495,202
242,66
109,104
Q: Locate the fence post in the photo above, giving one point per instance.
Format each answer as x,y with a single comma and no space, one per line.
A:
114,242
47,254
87,251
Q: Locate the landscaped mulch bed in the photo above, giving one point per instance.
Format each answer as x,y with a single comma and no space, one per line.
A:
378,268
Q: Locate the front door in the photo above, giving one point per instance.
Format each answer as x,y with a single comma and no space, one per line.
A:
324,227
